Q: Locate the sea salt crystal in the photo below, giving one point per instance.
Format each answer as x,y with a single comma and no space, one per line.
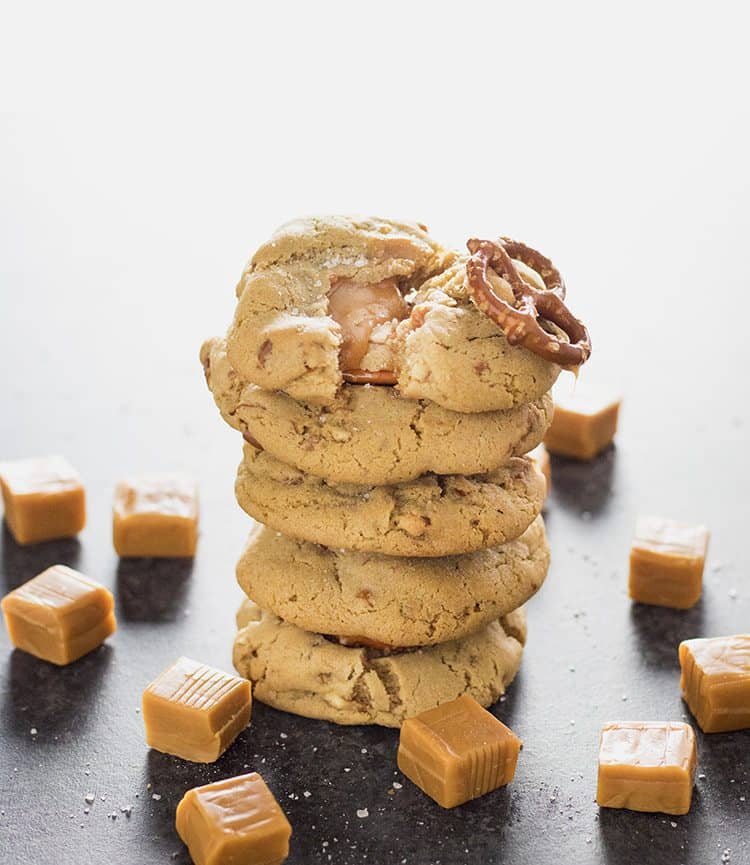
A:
362,813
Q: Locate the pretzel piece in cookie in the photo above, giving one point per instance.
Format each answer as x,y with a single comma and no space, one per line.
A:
520,322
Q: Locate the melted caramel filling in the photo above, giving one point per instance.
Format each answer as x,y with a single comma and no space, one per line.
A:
364,643
358,308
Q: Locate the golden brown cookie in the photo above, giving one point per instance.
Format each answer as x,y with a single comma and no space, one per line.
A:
334,299
391,599
283,337
434,515
307,674
371,435
453,354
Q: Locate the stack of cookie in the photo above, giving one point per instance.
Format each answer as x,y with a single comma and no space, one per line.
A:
386,405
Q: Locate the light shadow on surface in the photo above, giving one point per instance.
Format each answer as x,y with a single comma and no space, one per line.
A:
584,486
58,700
20,564
660,630
625,834
152,590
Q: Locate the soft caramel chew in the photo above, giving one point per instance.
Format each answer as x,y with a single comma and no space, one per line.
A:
457,752
582,426
666,562
540,457
156,515
715,681
647,766
59,615
234,821
194,711
44,499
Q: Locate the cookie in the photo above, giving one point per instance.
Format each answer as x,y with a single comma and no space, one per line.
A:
451,353
371,435
388,599
334,299
283,337
434,515
307,674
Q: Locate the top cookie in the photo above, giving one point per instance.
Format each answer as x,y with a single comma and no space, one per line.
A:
334,299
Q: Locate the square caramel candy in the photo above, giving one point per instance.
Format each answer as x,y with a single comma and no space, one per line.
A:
457,752
234,821
44,499
59,616
666,563
582,426
156,515
715,682
194,711
647,767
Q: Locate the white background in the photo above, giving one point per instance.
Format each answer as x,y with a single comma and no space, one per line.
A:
147,149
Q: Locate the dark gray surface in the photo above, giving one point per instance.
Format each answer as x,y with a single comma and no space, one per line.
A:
592,657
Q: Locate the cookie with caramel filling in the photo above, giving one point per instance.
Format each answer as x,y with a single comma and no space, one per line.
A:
309,674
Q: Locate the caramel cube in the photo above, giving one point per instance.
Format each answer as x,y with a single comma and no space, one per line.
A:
715,682
234,821
582,427
44,499
457,752
156,515
666,563
59,616
194,711
540,458
647,767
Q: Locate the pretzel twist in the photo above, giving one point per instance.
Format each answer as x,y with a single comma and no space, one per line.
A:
520,322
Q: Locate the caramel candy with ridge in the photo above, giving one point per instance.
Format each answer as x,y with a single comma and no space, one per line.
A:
233,821
457,752
647,766
715,681
666,563
59,616
44,499
194,711
582,426
540,457
156,515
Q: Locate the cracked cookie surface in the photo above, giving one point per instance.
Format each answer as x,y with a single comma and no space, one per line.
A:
458,357
431,516
371,435
389,599
283,336
302,672
425,331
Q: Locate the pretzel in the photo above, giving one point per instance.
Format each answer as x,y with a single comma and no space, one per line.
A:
520,322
